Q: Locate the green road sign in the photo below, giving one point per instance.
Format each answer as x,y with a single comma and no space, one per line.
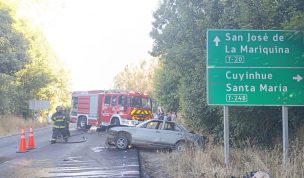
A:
255,67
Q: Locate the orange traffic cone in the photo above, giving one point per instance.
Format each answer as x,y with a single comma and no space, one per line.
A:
31,143
22,143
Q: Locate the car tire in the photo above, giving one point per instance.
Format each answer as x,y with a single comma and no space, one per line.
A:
181,146
122,142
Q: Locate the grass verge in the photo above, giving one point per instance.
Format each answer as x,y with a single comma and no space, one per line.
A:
210,162
10,124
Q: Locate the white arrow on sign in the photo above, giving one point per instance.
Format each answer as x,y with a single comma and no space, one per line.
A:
216,40
297,78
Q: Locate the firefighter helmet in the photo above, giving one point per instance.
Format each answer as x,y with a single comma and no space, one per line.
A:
58,108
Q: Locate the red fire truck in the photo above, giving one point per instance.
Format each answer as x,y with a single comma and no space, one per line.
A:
103,108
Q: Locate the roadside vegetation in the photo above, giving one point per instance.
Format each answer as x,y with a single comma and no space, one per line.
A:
29,69
137,77
11,124
210,162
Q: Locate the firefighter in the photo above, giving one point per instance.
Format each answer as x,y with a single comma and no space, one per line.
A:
67,121
59,125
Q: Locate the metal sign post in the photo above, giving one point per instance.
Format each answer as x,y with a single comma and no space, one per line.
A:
226,134
285,134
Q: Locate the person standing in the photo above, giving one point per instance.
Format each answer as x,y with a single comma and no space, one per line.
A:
155,115
67,121
59,125
161,116
160,113
173,116
169,117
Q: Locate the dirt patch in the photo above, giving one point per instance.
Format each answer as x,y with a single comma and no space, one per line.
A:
153,164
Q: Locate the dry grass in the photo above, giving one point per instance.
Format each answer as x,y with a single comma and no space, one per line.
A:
210,162
12,124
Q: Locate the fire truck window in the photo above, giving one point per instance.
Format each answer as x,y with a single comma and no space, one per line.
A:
146,102
107,100
135,101
122,100
114,99
75,102
74,106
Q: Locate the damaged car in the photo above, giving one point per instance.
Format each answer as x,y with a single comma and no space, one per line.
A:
154,134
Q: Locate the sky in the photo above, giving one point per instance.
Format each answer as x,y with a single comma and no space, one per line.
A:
95,38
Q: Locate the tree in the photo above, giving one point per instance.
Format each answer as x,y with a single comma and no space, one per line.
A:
13,46
13,57
29,69
136,77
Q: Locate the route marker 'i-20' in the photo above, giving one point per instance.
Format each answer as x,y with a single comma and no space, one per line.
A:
255,67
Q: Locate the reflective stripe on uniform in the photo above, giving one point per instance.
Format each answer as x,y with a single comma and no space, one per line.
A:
58,127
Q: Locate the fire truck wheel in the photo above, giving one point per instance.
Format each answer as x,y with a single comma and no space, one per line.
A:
82,122
122,142
115,121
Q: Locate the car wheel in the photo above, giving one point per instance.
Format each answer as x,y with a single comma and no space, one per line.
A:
82,122
122,142
181,146
115,121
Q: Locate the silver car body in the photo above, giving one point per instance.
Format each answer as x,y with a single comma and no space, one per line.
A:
154,134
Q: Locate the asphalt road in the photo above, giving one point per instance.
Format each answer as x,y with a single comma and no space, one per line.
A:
86,159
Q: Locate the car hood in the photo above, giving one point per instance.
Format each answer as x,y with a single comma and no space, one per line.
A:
122,128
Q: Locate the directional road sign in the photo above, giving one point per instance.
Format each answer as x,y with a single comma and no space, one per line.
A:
39,104
255,67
